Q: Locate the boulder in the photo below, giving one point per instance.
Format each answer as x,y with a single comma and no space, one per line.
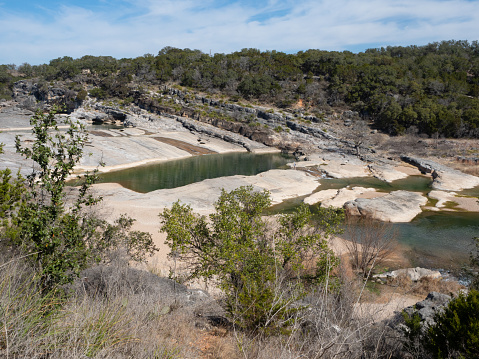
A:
413,274
336,198
428,307
397,206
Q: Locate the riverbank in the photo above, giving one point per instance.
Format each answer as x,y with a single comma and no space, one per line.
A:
161,139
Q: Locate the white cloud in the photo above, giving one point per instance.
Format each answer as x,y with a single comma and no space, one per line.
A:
134,28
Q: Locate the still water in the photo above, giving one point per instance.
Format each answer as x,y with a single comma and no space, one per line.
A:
177,173
432,239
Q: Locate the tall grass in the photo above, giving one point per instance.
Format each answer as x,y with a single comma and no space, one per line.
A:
35,324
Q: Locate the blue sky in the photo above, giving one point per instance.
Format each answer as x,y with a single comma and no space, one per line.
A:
37,32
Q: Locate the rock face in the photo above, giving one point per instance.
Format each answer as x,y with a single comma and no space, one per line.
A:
32,96
397,206
250,145
429,306
445,178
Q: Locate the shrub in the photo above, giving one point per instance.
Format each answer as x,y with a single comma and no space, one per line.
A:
454,333
58,235
456,329
260,268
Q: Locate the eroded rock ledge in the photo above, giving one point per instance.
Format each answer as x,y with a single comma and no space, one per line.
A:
444,178
397,206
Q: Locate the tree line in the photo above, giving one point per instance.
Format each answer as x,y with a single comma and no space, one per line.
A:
431,89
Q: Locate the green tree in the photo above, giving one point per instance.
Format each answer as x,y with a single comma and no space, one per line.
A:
54,232
260,266
454,332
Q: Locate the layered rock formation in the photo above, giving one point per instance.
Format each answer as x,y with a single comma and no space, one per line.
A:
397,206
444,178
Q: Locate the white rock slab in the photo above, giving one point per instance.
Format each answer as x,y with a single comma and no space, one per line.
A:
337,198
442,197
282,184
413,274
397,206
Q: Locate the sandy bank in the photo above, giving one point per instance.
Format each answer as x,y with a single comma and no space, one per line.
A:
145,207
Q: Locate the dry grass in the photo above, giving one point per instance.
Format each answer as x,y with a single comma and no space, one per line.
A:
126,322
36,325
466,167
404,285
427,285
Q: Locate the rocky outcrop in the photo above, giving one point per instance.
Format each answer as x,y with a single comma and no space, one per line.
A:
31,95
310,130
250,145
89,116
444,178
428,307
397,206
414,274
336,197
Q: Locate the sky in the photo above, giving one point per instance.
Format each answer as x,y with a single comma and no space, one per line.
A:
36,32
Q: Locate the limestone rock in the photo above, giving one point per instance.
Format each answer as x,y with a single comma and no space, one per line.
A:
386,173
445,178
397,206
428,307
413,274
442,197
336,198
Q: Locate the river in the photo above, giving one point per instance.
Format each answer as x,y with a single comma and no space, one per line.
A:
433,239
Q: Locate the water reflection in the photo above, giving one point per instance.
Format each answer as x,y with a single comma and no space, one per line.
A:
179,173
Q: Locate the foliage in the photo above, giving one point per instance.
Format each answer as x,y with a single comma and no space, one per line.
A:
433,88
39,324
261,267
50,228
118,237
11,192
455,331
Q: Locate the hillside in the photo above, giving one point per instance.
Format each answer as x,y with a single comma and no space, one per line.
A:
431,90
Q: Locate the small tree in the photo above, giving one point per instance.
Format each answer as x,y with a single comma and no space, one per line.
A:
54,231
473,272
369,242
260,268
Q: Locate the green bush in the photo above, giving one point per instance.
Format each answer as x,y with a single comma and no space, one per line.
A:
454,334
456,329
260,266
59,236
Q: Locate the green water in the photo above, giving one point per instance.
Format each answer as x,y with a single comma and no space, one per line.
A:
439,239
177,173
432,239
410,183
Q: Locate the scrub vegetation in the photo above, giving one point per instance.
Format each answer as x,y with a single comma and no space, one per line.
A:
281,290
431,90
